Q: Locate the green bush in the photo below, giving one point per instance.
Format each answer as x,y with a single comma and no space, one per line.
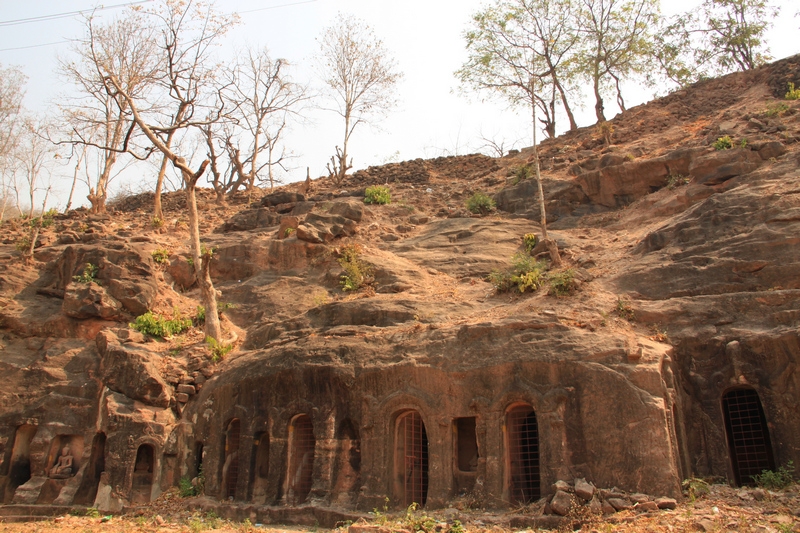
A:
523,172
562,283
723,143
218,350
89,274
357,272
530,240
777,480
793,94
480,203
776,110
186,489
159,326
377,194
160,255
526,273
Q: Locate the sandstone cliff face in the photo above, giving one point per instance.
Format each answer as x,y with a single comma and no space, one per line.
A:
427,385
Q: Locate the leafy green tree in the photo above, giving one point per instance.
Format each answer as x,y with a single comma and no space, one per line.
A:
521,49
719,36
618,38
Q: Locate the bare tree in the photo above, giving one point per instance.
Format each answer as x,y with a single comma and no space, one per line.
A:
262,96
361,76
187,88
12,83
126,47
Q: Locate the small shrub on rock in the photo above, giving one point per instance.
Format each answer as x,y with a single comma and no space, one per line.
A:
377,194
88,275
357,272
793,94
160,255
526,274
480,204
562,283
777,480
530,240
723,143
159,326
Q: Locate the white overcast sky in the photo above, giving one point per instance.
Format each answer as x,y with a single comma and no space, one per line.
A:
424,36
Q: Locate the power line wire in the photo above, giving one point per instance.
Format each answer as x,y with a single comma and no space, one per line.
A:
56,16
31,46
73,13
276,7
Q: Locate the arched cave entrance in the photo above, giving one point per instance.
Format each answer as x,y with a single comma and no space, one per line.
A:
230,467
143,468
302,445
748,436
411,458
524,485
17,463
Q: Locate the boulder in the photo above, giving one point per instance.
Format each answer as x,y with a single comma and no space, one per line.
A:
90,300
561,503
181,272
772,149
722,165
584,489
620,504
352,210
666,503
131,370
621,184
251,219
283,197
136,296
125,272
319,228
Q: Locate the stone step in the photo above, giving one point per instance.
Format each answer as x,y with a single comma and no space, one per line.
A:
44,511
15,519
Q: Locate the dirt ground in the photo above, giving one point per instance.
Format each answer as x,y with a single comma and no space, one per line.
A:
723,509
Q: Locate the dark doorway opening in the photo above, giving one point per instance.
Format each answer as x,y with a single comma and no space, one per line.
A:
411,458
143,468
523,455
748,436
17,463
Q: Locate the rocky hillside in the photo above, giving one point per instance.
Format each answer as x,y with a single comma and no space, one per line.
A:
678,226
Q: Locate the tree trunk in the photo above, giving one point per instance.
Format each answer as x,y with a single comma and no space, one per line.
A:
552,247
158,214
572,124
202,264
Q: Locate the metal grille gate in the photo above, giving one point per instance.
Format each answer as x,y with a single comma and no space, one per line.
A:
411,432
748,436
523,452
302,462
